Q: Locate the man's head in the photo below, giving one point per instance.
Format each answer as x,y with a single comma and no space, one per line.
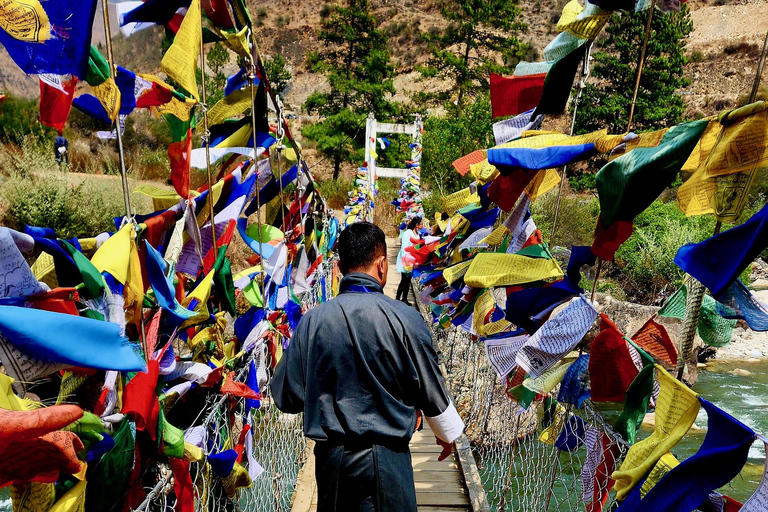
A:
363,248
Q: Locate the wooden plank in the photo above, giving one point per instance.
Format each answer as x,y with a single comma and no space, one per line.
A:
306,488
437,476
449,487
391,172
442,498
395,128
428,465
446,508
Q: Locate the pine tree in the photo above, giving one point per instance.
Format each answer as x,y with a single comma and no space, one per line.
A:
356,61
479,34
278,73
606,101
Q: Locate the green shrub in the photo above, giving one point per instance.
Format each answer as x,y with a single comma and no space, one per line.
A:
83,210
575,222
18,120
644,264
335,191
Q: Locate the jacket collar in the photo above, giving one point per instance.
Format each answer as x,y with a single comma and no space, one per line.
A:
359,279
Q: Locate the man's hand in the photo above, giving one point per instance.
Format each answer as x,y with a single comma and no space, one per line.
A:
447,448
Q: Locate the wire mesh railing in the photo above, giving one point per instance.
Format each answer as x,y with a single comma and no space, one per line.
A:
548,457
273,450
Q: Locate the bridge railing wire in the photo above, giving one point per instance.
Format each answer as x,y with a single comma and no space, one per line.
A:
519,471
279,446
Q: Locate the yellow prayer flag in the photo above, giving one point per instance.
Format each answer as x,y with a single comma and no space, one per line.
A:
237,41
731,194
547,381
25,20
543,182
180,61
109,96
458,200
584,22
484,171
113,256
32,497
45,270
666,463
230,106
496,236
484,304
495,269
456,272
676,410
73,500
741,146
550,434
201,293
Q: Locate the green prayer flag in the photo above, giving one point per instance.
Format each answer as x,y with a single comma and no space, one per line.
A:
173,439
98,68
559,82
636,404
222,280
108,478
629,184
93,282
713,329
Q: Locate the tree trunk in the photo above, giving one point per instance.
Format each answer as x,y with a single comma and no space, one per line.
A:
336,166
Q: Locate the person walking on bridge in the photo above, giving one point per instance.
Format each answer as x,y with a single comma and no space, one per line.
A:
411,230
359,367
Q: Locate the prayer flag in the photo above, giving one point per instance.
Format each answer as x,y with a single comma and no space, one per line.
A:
759,500
713,329
718,261
180,61
676,410
603,453
515,94
56,95
585,22
737,302
558,336
528,308
54,41
540,158
154,11
513,128
87,343
559,82
654,339
180,155
611,370
719,459
494,269
631,182
636,404
574,388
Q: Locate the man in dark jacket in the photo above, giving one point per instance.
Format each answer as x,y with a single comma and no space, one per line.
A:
358,367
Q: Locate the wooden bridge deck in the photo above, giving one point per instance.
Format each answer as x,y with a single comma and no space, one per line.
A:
452,485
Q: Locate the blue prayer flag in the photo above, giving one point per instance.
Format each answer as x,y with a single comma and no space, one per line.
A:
66,51
718,261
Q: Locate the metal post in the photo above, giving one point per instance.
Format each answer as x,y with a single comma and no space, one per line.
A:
252,84
206,139
368,158
120,150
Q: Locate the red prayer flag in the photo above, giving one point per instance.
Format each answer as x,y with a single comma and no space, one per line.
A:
506,190
608,240
182,485
654,339
234,388
611,369
56,95
141,400
180,155
462,165
515,94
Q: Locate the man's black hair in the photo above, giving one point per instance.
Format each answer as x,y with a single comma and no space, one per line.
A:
359,246
414,222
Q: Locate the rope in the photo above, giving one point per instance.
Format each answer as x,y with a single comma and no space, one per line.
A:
206,133
641,63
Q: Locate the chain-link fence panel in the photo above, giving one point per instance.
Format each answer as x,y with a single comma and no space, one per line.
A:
548,457
273,451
